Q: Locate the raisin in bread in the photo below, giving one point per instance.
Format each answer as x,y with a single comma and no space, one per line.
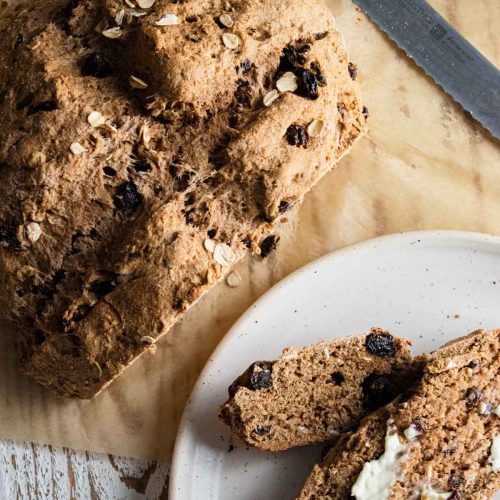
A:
440,441
313,394
142,152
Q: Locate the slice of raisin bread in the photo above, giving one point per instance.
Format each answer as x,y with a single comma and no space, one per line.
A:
439,441
142,152
313,394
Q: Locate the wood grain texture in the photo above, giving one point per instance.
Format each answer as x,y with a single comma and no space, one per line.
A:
424,165
29,471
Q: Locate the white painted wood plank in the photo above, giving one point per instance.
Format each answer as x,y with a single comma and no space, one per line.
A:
29,471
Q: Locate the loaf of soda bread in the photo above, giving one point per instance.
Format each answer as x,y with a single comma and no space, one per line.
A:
145,146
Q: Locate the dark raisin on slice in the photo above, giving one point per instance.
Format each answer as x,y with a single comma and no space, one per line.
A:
365,112
211,233
127,197
319,74
353,70
378,390
308,84
262,430
296,135
261,376
454,481
291,58
449,451
419,425
284,206
258,376
43,107
95,65
336,378
472,397
245,66
8,237
381,344
247,241
320,36
102,287
269,245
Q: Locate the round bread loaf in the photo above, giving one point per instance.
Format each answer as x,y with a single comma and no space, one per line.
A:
144,147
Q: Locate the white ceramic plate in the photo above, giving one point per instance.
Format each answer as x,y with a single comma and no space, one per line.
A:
429,287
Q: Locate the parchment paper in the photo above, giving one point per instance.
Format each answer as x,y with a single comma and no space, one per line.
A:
424,165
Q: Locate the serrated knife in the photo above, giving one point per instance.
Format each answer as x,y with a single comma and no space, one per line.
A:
444,54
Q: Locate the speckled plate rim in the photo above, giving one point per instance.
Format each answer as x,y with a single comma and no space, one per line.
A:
401,238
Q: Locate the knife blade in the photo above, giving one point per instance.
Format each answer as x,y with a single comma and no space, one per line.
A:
445,55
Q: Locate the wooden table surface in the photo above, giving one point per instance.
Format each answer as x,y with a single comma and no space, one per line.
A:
425,165
30,471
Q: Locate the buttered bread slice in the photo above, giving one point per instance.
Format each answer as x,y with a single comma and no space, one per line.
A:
439,441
